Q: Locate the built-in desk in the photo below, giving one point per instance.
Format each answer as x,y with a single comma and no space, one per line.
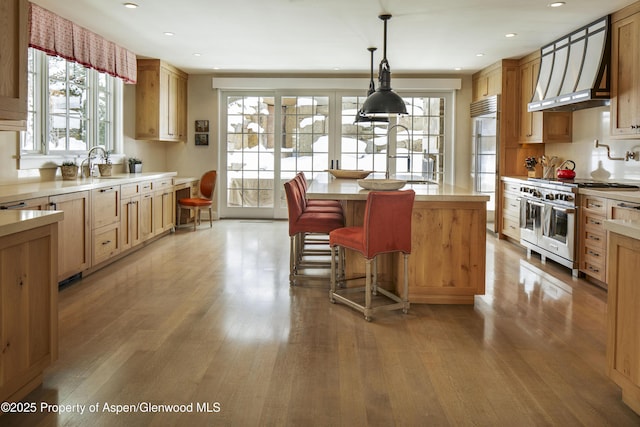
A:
447,262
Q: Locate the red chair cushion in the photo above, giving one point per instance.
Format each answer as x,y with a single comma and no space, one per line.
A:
196,202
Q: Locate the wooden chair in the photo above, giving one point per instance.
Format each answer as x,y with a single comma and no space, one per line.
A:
386,229
207,186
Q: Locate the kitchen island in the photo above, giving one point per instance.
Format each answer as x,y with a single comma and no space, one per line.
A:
623,308
447,262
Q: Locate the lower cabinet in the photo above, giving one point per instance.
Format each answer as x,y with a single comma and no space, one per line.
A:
105,223
592,241
163,206
511,210
74,254
130,216
623,317
28,309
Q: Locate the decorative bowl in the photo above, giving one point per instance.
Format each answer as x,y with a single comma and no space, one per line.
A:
349,174
381,184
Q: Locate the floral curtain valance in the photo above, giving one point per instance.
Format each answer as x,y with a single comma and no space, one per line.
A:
58,36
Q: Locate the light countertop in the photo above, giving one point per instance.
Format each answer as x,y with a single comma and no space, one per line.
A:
15,221
12,192
624,227
324,186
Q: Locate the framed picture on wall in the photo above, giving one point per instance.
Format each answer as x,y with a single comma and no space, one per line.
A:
202,125
202,139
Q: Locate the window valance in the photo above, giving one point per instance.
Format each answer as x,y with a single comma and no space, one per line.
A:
58,36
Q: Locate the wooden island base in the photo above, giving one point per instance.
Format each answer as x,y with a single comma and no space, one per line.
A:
447,262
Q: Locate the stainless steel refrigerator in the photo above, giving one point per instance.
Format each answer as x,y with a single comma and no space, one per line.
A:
485,115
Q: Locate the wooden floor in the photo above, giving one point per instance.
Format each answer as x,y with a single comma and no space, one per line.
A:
207,319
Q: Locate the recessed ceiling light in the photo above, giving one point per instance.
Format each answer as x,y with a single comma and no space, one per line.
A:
479,54
510,35
197,54
169,33
130,5
557,4
458,68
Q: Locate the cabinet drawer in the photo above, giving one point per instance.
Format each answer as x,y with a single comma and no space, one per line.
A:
162,184
511,187
105,205
595,270
145,187
129,190
511,227
595,239
591,221
511,205
594,255
624,210
106,243
594,205
39,203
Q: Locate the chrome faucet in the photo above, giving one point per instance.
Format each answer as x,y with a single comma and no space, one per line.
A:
89,157
390,156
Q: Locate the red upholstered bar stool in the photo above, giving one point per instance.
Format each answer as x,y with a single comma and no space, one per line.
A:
207,185
386,229
302,222
302,179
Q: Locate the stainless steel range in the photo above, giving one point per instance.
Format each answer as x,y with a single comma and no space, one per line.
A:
548,217
548,221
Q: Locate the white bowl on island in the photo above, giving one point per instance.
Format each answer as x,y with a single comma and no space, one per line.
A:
381,184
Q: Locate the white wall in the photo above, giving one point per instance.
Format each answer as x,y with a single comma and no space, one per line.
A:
588,125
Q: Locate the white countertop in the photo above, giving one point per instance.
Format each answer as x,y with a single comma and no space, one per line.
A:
15,221
12,192
624,227
325,186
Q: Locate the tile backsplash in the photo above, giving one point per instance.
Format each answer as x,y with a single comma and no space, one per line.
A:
591,162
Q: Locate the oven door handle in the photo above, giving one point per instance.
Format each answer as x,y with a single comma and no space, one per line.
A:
565,210
540,205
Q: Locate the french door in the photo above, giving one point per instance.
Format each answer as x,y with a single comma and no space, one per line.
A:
269,138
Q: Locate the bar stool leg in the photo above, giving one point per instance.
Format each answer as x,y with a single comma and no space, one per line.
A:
405,289
333,273
374,285
367,290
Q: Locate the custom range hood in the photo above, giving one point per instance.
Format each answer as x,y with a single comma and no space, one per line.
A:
574,70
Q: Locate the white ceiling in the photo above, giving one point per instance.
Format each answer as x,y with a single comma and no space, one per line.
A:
424,36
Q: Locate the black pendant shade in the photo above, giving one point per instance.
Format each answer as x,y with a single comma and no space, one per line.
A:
360,116
384,102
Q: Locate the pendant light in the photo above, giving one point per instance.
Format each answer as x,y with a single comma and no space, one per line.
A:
384,102
360,116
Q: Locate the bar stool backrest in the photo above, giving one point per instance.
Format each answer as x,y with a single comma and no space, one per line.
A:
387,222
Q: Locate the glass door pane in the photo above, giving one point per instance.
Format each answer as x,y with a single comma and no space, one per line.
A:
250,152
305,137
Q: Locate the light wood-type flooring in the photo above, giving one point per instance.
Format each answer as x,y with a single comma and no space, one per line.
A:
207,319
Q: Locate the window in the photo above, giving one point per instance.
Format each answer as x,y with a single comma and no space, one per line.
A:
70,108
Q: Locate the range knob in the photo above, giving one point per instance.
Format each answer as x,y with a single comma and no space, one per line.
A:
551,197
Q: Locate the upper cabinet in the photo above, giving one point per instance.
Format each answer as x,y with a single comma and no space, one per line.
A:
161,102
487,82
539,126
625,73
13,66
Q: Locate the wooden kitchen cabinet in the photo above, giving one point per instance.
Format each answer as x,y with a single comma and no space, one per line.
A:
163,205
28,309
592,241
35,204
623,317
13,66
74,255
625,73
130,216
161,101
487,82
511,210
105,215
146,211
539,126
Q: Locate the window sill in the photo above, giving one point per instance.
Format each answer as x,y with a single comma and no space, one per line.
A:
38,161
